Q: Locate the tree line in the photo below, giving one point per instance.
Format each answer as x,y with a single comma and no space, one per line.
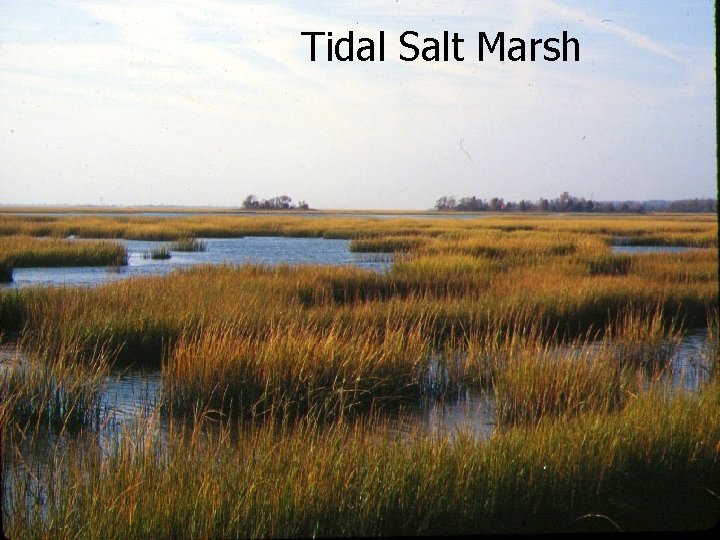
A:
282,202
568,203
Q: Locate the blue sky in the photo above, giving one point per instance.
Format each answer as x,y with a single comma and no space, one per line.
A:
201,102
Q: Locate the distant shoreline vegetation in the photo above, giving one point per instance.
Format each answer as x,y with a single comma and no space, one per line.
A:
282,202
568,203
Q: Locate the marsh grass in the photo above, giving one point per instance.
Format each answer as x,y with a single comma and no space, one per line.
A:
644,338
673,230
711,352
386,244
161,253
54,392
29,252
459,294
296,370
534,387
611,265
653,465
506,304
188,245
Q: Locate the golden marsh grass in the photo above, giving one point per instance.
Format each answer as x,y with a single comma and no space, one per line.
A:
512,305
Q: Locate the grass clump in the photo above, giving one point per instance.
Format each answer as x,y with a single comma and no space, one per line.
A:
292,369
161,253
385,244
55,392
609,265
644,338
532,387
188,245
28,252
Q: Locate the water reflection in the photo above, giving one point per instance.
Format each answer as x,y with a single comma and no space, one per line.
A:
469,411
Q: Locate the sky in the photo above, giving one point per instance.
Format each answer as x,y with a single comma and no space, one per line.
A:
203,102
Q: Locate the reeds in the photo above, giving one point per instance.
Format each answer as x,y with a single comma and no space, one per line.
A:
188,244
609,265
655,464
385,244
29,252
644,338
531,388
56,392
311,359
161,253
697,230
292,369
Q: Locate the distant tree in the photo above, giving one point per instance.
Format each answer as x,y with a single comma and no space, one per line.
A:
568,203
251,201
496,204
446,203
282,202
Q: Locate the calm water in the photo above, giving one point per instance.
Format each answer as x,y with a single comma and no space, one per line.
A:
251,249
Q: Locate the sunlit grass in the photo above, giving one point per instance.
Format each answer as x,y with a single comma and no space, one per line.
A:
295,369
27,251
586,436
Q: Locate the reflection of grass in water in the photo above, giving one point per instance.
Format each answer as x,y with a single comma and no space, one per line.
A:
655,464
